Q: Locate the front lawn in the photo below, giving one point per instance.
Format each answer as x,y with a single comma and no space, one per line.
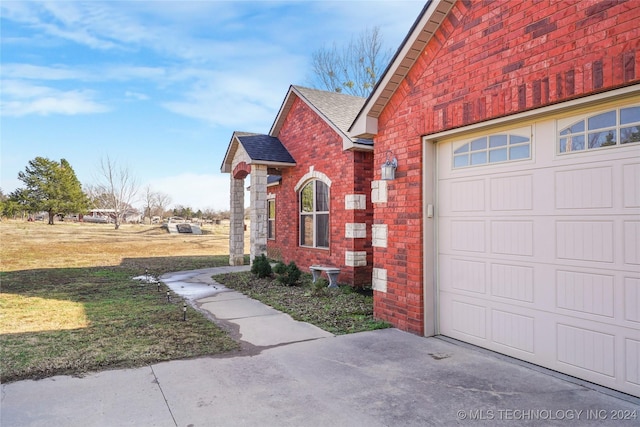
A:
340,311
77,320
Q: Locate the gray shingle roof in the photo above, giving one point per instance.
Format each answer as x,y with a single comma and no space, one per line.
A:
264,147
339,108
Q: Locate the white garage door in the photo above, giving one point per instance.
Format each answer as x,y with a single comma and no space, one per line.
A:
539,244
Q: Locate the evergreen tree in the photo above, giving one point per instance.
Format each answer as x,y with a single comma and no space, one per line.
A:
52,187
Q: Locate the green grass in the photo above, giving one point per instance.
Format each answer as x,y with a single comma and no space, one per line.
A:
96,318
68,304
339,311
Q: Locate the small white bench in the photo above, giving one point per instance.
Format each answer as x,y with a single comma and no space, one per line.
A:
332,273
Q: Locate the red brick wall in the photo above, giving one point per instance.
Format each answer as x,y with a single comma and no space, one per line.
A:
488,59
312,142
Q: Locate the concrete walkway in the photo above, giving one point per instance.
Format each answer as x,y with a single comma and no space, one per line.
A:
294,374
247,320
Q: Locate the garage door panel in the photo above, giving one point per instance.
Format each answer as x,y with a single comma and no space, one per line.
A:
540,259
584,188
517,331
468,275
585,240
632,362
468,236
512,193
601,353
469,319
512,237
468,196
586,349
582,348
501,237
630,186
631,242
513,330
632,299
585,292
513,282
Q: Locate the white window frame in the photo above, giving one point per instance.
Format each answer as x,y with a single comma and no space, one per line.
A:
314,214
271,220
509,141
582,131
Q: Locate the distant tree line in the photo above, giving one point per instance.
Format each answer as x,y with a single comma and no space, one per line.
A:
53,187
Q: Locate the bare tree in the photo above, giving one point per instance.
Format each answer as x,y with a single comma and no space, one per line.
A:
154,202
162,202
353,69
117,186
149,197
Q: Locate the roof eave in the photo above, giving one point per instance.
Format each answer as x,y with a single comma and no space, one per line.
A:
271,163
433,14
358,146
287,102
225,167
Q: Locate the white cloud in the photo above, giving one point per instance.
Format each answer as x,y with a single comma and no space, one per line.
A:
136,95
98,25
38,72
21,99
197,191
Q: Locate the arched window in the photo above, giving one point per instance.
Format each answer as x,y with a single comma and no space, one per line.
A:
314,214
607,129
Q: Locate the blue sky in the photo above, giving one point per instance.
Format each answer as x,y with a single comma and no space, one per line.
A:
159,86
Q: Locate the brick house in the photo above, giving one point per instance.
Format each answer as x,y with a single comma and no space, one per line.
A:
512,222
309,184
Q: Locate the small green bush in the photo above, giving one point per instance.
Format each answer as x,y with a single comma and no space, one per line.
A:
320,287
280,268
261,267
289,275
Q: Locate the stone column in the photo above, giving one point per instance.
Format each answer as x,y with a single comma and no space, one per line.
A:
236,229
258,211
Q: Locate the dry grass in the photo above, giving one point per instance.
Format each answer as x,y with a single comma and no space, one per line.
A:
26,245
68,304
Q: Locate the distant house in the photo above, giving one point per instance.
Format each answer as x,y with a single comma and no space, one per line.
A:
131,216
99,215
512,220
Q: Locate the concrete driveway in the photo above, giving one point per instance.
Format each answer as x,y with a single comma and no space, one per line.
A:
293,374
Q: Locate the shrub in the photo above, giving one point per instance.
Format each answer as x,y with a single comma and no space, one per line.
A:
280,268
320,287
261,267
289,275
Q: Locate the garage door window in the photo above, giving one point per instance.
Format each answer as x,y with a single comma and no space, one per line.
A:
608,129
492,149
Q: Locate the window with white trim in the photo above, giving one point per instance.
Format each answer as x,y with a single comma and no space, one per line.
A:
497,148
271,219
607,129
314,214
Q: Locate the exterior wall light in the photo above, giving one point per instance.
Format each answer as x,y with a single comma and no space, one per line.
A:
389,167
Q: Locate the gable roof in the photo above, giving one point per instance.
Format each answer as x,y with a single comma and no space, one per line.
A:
432,15
261,149
265,148
336,109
